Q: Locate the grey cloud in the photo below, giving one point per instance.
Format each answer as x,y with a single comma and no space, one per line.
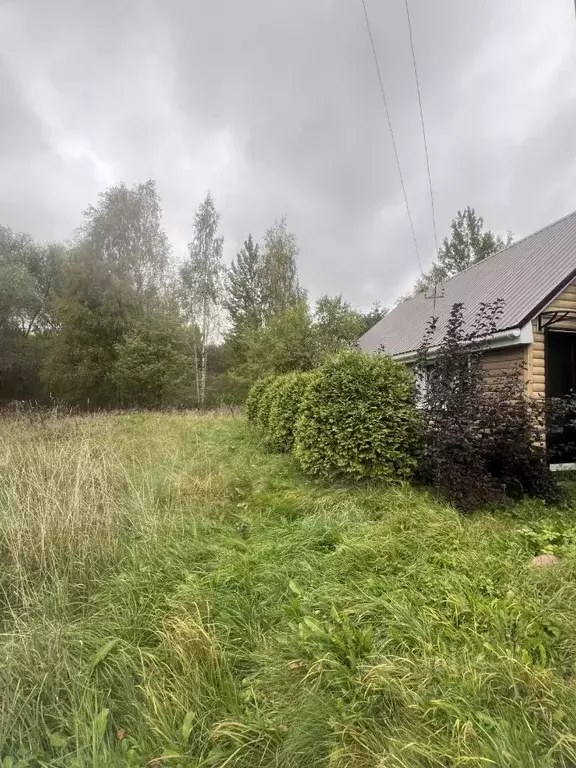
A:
275,106
34,181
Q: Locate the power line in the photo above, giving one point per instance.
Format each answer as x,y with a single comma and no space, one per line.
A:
422,123
369,28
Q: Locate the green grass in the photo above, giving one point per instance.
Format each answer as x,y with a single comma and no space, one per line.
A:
173,595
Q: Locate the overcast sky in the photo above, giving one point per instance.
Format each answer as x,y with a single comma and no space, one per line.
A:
274,105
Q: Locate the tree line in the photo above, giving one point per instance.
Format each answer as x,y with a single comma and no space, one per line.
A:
112,319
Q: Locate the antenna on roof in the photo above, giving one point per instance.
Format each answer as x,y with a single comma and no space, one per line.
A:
434,294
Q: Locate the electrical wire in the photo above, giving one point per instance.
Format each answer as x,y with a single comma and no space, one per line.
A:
383,92
422,123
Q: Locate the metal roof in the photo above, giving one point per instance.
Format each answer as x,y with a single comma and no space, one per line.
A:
526,276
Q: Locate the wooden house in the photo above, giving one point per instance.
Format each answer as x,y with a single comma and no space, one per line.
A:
535,278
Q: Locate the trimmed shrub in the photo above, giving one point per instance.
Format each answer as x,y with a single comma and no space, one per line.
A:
254,397
285,409
265,404
359,419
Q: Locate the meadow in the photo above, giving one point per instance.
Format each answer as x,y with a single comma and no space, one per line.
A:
172,594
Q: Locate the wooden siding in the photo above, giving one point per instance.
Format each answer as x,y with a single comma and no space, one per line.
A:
498,361
536,359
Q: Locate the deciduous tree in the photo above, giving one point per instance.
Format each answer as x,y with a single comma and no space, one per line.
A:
30,275
96,309
280,287
202,287
124,230
338,326
153,366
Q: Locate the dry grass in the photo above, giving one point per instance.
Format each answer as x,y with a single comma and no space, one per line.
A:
170,594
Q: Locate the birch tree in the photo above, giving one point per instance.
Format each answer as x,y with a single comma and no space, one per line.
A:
202,287
280,287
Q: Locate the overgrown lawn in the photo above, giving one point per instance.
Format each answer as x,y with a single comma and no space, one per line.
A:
172,594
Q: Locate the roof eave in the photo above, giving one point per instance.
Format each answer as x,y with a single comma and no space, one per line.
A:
509,337
549,298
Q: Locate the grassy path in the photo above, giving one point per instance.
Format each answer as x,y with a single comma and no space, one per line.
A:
171,594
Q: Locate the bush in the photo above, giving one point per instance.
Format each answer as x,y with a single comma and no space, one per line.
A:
484,435
285,409
154,364
267,398
359,419
254,397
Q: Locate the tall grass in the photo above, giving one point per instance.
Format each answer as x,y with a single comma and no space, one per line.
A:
61,508
171,594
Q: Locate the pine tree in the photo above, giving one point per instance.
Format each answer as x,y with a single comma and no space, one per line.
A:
467,245
244,288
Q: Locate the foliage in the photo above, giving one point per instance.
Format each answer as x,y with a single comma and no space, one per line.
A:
279,283
467,245
285,409
268,396
93,313
82,324
112,282
287,343
30,274
359,420
263,297
202,287
551,536
243,303
374,315
243,300
21,362
221,389
124,231
221,607
484,434
154,363
254,397
20,291
337,325
262,286
297,340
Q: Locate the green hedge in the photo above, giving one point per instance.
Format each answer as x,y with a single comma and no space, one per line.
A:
254,397
359,420
266,399
285,406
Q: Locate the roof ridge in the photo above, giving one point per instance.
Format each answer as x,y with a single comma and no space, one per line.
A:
512,245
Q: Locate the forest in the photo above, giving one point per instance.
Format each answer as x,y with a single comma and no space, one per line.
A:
114,318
